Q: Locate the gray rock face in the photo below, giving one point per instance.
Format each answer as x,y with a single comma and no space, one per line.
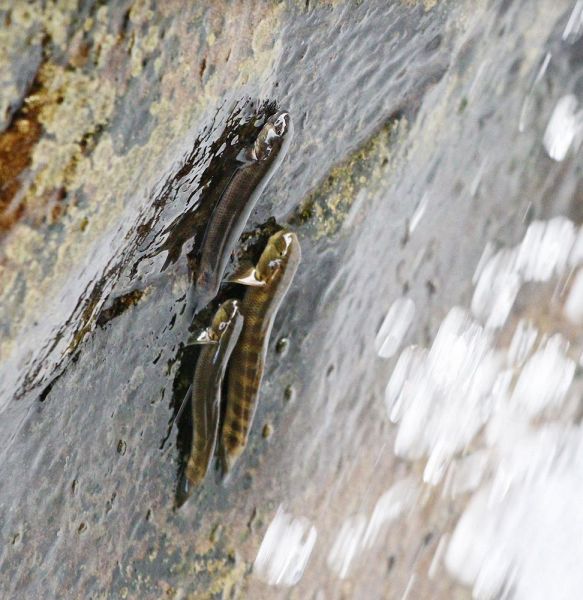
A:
418,138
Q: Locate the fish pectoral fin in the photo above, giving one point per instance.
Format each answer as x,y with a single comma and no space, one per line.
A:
246,276
177,416
202,337
247,155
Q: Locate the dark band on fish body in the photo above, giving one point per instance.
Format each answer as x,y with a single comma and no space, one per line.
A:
276,268
206,388
257,165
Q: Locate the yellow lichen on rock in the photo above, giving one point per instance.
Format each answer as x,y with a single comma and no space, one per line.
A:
89,166
327,209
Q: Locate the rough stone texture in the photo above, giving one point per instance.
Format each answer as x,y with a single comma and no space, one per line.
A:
112,121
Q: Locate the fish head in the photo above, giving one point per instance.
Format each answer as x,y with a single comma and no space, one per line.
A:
281,247
226,313
274,136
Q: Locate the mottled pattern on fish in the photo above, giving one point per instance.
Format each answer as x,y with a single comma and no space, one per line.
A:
276,268
257,165
206,388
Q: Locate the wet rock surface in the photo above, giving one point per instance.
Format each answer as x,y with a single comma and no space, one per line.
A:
119,126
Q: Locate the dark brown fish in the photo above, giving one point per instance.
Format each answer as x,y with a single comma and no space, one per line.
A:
276,269
257,164
206,390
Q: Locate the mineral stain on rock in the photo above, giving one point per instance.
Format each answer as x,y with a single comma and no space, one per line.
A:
16,145
119,305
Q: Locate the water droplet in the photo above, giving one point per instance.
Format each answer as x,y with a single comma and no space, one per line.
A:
282,346
289,394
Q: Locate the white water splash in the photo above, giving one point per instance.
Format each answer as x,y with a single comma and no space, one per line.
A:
468,472
388,508
419,212
574,303
359,533
563,128
574,26
546,250
441,397
522,343
576,255
528,539
544,380
394,327
347,546
521,535
497,289
285,550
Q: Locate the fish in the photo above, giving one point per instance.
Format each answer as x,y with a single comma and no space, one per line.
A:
276,269
207,382
256,164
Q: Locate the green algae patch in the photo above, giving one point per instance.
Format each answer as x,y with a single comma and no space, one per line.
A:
335,202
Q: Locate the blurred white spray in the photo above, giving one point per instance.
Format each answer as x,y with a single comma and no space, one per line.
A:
285,550
522,531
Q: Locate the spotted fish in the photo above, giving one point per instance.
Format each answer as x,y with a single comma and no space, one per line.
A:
275,270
